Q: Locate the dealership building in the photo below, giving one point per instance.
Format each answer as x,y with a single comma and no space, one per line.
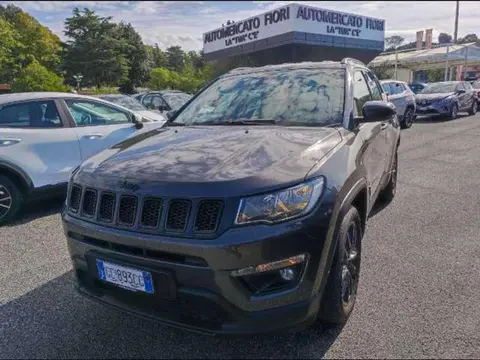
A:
296,33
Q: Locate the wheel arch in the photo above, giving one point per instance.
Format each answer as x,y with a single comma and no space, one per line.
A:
354,192
17,175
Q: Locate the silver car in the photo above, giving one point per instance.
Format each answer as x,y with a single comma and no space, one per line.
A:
400,94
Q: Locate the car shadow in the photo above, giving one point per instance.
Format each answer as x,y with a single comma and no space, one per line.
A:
54,321
34,210
436,119
377,207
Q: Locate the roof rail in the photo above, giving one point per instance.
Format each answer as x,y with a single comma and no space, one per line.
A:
351,60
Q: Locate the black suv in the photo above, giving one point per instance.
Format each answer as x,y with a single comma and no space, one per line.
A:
246,212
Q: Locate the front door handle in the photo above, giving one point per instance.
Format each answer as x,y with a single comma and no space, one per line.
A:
92,136
9,141
384,126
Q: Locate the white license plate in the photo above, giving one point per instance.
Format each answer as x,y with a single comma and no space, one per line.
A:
128,278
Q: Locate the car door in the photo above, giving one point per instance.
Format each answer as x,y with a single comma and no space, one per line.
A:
156,102
99,126
387,134
36,136
371,134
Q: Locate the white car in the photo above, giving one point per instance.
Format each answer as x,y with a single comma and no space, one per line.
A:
45,136
134,105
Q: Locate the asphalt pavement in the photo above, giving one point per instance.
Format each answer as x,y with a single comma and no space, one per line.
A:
418,290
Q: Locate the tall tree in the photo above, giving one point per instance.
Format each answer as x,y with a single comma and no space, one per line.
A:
392,42
136,55
175,58
33,40
444,38
470,38
95,49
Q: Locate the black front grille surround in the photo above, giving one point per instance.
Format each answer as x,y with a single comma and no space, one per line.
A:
127,210
75,198
89,202
146,213
177,217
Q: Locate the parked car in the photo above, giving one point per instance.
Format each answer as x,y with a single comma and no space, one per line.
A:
417,87
252,219
403,98
44,136
134,105
163,101
447,98
476,87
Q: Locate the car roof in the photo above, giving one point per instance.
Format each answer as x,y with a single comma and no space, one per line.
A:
26,96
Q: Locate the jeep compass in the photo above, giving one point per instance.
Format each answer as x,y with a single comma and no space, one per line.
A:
245,213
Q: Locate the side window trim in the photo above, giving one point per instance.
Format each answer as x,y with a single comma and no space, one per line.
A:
360,71
366,77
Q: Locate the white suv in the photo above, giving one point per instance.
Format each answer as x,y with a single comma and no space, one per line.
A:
44,136
400,94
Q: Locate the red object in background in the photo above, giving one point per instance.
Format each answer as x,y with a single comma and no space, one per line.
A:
428,38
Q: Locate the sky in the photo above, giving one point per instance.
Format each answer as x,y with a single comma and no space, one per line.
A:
183,22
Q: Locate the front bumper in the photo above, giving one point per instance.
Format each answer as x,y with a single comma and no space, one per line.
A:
195,288
434,109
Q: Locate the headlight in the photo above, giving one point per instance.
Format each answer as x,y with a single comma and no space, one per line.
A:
280,205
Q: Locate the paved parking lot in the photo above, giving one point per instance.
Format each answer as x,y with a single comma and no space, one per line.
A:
418,289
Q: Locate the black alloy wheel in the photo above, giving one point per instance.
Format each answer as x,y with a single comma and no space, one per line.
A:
408,118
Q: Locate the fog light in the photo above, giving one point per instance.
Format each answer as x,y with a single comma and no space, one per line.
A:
287,274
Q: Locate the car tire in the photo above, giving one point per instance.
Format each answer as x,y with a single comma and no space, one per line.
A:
408,118
388,193
341,290
453,112
473,109
11,200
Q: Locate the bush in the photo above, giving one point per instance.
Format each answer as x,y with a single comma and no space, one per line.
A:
187,81
36,77
100,90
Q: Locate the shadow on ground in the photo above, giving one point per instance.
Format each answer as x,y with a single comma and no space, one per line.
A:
433,120
38,209
53,321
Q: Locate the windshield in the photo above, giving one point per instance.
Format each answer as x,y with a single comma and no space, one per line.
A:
176,100
125,101
293,97
441,87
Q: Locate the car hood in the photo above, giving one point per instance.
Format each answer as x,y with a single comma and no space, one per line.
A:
437,96
218,160
150,115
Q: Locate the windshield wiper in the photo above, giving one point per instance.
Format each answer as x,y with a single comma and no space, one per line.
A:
239,122
171,123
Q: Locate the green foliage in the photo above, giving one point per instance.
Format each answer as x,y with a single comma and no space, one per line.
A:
435,75
392,42
189,80
36,77
444,38
175,58
382,71
96,49
100,90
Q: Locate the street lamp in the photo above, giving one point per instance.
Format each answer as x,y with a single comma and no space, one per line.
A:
78,78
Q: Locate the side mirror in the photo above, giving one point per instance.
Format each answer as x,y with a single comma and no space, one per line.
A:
378,111
171,114
137,122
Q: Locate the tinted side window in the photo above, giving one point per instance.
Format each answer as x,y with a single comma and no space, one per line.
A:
361,94
32,114
88,113
387,88
373,85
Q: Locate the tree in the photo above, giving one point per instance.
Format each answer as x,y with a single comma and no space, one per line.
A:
36,77
95,49
392,42
382,71
470,38
137,57
36,40
444,38
175,58
10,49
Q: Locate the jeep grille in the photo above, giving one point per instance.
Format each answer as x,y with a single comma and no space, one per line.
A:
149,213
